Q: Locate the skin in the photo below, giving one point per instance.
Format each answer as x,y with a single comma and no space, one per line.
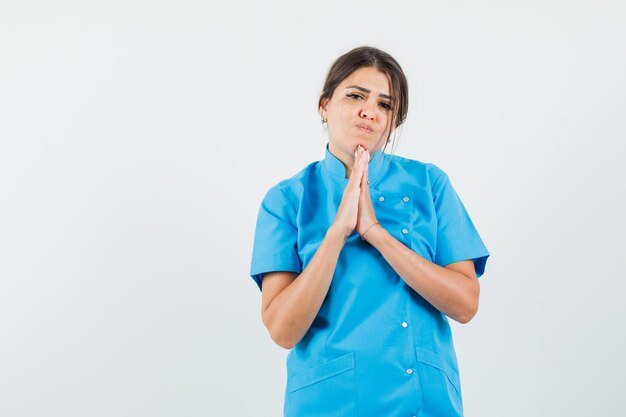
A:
290,305
348,107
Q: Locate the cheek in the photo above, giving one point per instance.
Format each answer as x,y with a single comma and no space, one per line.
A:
389,120
346,113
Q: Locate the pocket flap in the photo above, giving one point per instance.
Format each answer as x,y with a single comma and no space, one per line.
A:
431,358
321,372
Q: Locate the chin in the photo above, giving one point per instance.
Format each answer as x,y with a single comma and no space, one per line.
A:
359,141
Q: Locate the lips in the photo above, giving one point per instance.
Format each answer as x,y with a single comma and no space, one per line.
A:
364,127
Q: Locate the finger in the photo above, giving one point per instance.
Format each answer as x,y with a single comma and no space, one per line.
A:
364,196
357,153
361,163
365,177
364,165
367,166
364,187
358,156
365,160
357,170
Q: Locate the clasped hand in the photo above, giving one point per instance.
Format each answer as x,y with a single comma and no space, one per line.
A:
356,210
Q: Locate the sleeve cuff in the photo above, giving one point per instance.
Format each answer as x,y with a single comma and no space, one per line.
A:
257,268
479,258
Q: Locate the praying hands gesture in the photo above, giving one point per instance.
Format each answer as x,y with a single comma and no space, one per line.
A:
356,210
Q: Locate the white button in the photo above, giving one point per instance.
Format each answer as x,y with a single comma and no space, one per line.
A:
405,324
405,231
409,371
381,198
405,199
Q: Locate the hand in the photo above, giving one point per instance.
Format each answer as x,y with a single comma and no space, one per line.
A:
367,216
348,211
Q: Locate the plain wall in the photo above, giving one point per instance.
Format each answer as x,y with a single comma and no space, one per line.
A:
137,139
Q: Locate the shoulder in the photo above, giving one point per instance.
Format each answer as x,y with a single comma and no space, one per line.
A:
426,173
291,189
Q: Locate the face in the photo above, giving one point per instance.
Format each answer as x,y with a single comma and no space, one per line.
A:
358,113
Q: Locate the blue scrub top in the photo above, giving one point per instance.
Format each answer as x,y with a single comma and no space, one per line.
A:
376,347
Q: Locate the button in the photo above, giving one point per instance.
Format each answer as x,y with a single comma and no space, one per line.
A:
381,198
405,231
405,199
405,324
409,371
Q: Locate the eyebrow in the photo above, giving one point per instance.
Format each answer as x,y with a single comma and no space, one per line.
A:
369,91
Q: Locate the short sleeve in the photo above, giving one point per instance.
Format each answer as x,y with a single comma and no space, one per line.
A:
457,238
275,237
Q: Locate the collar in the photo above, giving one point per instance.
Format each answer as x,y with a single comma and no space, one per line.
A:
335,167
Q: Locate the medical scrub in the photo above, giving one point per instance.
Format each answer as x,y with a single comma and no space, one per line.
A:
376,347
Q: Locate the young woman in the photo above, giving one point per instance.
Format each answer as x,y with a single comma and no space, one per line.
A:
362,257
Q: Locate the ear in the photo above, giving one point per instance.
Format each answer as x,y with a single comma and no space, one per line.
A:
323,108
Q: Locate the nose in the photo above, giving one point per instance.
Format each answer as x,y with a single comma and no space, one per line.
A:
367,111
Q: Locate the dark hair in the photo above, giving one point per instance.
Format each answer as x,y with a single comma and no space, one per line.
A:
367,56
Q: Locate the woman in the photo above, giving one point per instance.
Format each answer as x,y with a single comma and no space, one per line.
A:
362,256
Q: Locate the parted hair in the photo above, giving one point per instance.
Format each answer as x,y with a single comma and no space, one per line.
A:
368,56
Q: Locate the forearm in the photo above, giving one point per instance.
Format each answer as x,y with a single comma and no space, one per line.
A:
292,312
451,292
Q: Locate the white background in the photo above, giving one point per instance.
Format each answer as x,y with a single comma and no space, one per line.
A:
137,139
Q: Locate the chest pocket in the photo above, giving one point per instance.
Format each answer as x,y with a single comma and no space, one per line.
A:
395,211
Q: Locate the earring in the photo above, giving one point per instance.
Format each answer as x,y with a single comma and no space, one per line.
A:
323,121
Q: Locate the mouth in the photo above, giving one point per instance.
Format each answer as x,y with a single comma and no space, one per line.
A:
364,128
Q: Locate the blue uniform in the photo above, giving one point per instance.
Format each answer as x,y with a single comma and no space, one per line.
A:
376,347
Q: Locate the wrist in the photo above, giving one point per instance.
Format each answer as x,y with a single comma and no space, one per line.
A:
338,233
377,235
369,229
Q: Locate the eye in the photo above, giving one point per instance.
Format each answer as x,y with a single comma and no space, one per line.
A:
384,105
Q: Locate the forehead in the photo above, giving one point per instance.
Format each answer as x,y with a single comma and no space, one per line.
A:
370,78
